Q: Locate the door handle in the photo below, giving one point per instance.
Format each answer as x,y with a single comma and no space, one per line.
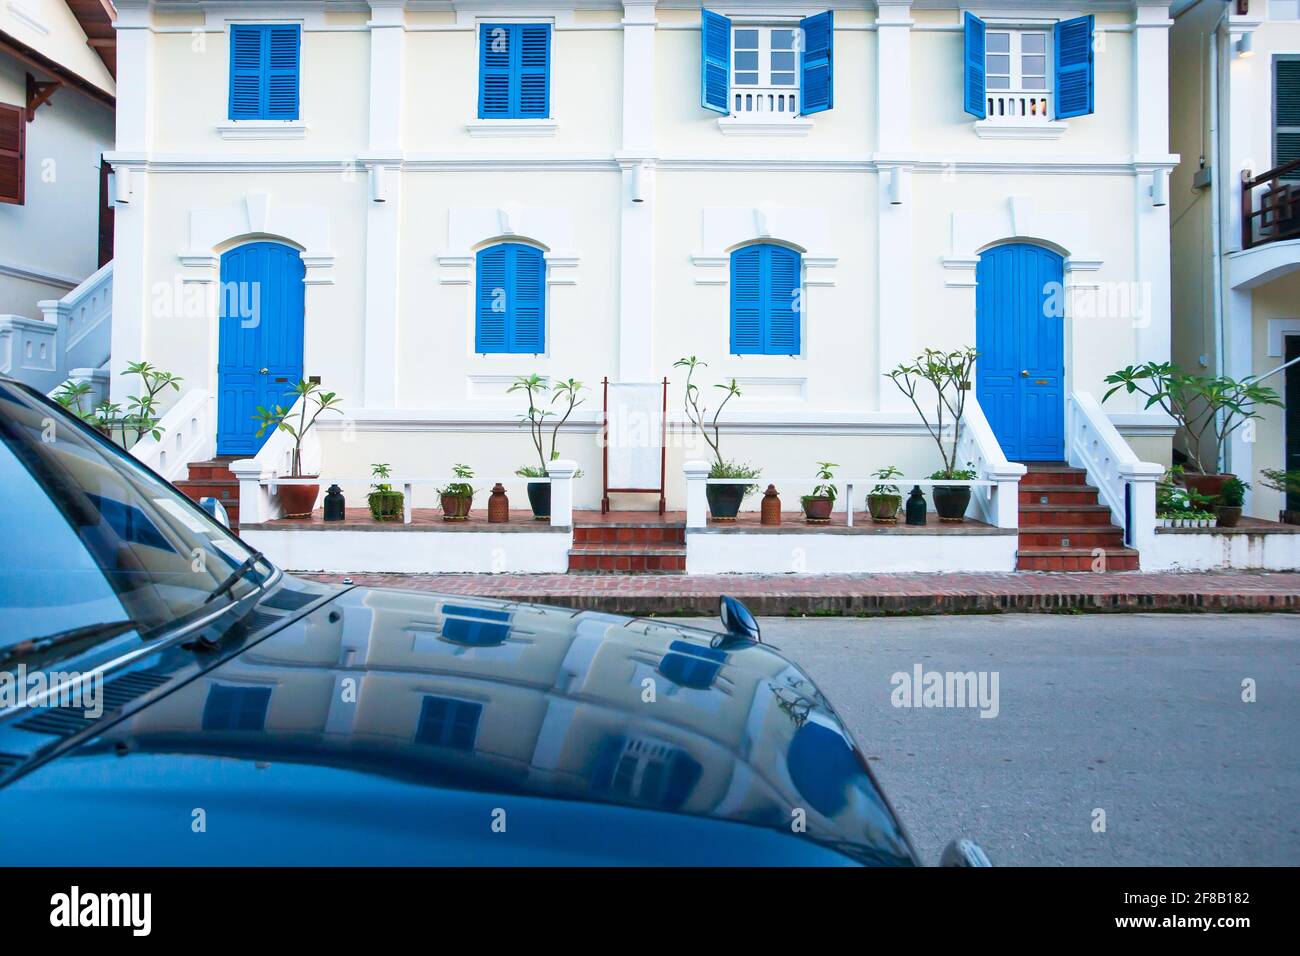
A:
1024,373
264,371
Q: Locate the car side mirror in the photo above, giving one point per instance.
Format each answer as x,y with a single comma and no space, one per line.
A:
216,511
963,852
738,622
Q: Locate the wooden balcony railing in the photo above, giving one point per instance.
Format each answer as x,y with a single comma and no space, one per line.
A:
1278,214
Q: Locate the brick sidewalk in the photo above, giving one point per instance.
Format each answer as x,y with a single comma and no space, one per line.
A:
872,594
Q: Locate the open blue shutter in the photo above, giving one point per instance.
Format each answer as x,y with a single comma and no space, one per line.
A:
533,69
715,61
817,63
747,301
528,303
494,53
973,75
781,330
245,72
1074,74
282,51
494,295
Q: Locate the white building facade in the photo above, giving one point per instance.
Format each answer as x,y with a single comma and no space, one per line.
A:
432,198
1237,274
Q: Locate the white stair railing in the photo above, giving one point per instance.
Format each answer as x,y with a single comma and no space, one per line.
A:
258,500
189,433
75,335
997,504
1126,484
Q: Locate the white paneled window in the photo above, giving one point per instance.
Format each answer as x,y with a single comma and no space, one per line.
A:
765,71
1017,73
1284,9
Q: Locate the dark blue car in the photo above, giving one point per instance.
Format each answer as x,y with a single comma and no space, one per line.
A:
171,697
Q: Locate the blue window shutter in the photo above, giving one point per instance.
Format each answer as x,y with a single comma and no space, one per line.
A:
715,61
528,304
496,43
817,63
973,74
282,45
245,71
1074,73
533,70
747,301
493,296
781,325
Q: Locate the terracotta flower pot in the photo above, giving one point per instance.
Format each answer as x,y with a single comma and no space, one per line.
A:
1228,515
951,501
456,507
884,508
817,509
1209,485
297,501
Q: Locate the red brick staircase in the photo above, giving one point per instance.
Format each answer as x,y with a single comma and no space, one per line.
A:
628,547
1062,521
214,479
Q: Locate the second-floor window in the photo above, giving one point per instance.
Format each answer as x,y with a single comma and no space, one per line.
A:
765,300
264,71
1015,72
1028,75
510,313
770,71
1286,113
514,71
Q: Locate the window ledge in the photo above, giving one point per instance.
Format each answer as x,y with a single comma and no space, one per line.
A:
1038,129
737,126
263,129
512,127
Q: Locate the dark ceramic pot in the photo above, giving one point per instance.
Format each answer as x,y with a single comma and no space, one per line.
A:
951,501
724,500
539,496
1228,515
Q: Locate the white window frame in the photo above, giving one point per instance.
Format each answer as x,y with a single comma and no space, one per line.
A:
764,108
1025,113
1016,53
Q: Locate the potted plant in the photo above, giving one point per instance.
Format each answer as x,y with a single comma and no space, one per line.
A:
885,499
724,500
297,501
1231,499
818,505
539,492
1197,403
1287,482
457,496
949,374
385,503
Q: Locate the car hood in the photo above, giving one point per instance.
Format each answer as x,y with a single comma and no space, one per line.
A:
407,727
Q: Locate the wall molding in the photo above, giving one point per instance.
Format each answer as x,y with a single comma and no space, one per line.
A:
1278,330
258,216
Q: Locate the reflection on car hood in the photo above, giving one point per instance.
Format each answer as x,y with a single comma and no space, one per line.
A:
396,726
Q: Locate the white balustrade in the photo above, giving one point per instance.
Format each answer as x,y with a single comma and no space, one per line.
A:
188,433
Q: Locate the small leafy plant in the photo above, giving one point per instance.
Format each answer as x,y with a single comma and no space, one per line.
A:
955,474
824,473
381,470
1233,493
461,488
884,475
385,503
279,417
1287,482
568,394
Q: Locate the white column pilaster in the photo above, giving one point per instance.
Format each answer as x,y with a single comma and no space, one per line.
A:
894,342
383,202
637,196
1241,122
1238,349
1151,147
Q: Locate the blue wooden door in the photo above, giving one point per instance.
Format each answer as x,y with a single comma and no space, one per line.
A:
1020,373
259,354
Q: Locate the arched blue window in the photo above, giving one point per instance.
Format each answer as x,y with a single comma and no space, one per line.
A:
510,313
689,665
475,626
765,300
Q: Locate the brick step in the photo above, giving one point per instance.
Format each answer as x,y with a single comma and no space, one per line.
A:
1051,515
1082,536
1058,495
603,534
1074,559
627,559
218,468
1036,477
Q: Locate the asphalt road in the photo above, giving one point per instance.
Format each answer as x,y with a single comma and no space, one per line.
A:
1139,716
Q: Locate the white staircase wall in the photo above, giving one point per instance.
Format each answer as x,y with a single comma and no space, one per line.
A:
74,335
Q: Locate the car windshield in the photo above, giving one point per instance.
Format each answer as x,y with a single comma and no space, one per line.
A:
90,539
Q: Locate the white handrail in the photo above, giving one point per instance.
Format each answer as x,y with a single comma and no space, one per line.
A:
1000,504
189,433
1126,484
258,501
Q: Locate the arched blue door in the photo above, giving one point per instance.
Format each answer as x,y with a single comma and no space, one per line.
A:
1020,373
259,355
